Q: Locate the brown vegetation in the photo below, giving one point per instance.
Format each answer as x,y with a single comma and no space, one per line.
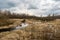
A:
8,14
35,31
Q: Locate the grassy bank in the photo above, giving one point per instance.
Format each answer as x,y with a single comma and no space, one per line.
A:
35,31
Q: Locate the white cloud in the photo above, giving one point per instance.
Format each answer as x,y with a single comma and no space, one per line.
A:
34,7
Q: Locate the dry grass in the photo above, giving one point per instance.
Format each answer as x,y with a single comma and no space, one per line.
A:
35,31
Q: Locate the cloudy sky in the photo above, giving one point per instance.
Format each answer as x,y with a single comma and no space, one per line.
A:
32,7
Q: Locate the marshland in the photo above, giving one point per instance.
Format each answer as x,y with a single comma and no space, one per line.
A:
38,28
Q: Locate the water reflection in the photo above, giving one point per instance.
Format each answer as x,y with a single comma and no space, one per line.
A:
22,25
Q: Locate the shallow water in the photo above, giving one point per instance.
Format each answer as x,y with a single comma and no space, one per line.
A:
23,25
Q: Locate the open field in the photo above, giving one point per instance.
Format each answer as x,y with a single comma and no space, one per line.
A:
37,30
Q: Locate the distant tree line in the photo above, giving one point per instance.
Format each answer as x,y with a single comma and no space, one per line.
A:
8,14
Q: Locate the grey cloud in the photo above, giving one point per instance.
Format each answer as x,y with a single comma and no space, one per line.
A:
40,6
6,4
56,0
11,4
32,7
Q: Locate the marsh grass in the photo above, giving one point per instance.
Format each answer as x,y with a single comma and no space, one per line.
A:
36,31
5,22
